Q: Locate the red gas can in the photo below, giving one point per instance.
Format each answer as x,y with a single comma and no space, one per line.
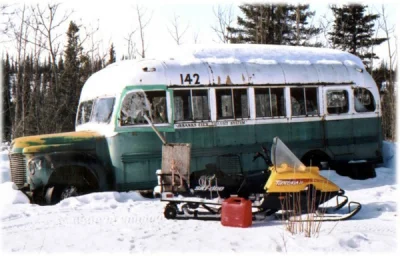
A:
236,212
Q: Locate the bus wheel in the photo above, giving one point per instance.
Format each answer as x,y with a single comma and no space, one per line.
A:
316,158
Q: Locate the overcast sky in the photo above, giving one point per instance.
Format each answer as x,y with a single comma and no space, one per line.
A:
118,17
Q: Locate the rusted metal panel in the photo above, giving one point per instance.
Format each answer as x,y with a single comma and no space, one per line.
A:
175,163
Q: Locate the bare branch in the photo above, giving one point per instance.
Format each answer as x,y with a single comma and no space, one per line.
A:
175,31
47,22
196,37
131,45
141,12
6,26
225,19
325,25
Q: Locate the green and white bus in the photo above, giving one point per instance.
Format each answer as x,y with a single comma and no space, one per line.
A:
222,99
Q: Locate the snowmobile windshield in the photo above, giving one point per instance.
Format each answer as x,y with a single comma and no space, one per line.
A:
281,154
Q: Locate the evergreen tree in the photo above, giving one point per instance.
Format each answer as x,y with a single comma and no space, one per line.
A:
7,104
26,93
112,57
18,125
47,99
35,117
353,31
70,81
273,24
300,31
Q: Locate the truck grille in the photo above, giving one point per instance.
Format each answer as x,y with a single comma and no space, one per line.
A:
18,172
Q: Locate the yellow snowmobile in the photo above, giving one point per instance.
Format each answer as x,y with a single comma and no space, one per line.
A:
288,185
292,186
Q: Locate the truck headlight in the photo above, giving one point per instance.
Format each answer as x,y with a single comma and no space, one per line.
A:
34,165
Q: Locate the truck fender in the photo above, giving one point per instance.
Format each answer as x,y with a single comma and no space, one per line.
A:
57,160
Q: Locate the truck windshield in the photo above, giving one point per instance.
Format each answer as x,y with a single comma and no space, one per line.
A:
97,111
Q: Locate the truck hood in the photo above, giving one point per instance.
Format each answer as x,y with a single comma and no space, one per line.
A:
83,140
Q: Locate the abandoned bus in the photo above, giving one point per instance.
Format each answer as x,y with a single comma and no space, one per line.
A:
223,100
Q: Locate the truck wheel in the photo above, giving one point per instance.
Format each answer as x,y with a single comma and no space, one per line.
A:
69,191
170,212
57,193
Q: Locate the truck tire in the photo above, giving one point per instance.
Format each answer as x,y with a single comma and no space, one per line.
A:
57,193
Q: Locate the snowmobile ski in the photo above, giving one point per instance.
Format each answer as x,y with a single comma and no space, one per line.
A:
332,209
324,217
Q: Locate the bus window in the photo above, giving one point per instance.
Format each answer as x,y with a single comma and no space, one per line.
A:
228,106
241,104
224,103
102,110
337,101
297,100
304,101
270,102
84,112
311,101
137,104
185,99
363,100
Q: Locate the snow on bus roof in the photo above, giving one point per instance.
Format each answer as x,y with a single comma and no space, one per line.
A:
259,54
229,64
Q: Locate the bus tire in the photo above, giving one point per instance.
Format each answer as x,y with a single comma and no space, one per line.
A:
316,158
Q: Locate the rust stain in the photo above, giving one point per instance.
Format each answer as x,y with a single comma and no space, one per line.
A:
228,80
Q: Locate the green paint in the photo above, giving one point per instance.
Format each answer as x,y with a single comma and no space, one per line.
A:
136,157
134,154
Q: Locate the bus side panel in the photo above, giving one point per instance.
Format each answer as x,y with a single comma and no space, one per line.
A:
199,137
235,135
367,137
264,133
306,136
339,138
135,157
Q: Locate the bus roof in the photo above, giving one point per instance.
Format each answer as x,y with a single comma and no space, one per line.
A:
236,64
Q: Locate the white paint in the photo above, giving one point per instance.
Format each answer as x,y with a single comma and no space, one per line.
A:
235,61
238,65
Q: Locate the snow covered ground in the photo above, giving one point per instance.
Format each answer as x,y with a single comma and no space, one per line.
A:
127,222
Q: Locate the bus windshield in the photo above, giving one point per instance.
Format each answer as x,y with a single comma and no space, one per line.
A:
96,111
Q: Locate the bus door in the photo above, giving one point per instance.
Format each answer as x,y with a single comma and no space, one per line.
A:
338,122
139,148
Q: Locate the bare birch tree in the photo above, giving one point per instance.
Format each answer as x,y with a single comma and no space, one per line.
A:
49,21
389,107
225,18
176,30
143,22
131,45
92,51
325,25
6,24
20,31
